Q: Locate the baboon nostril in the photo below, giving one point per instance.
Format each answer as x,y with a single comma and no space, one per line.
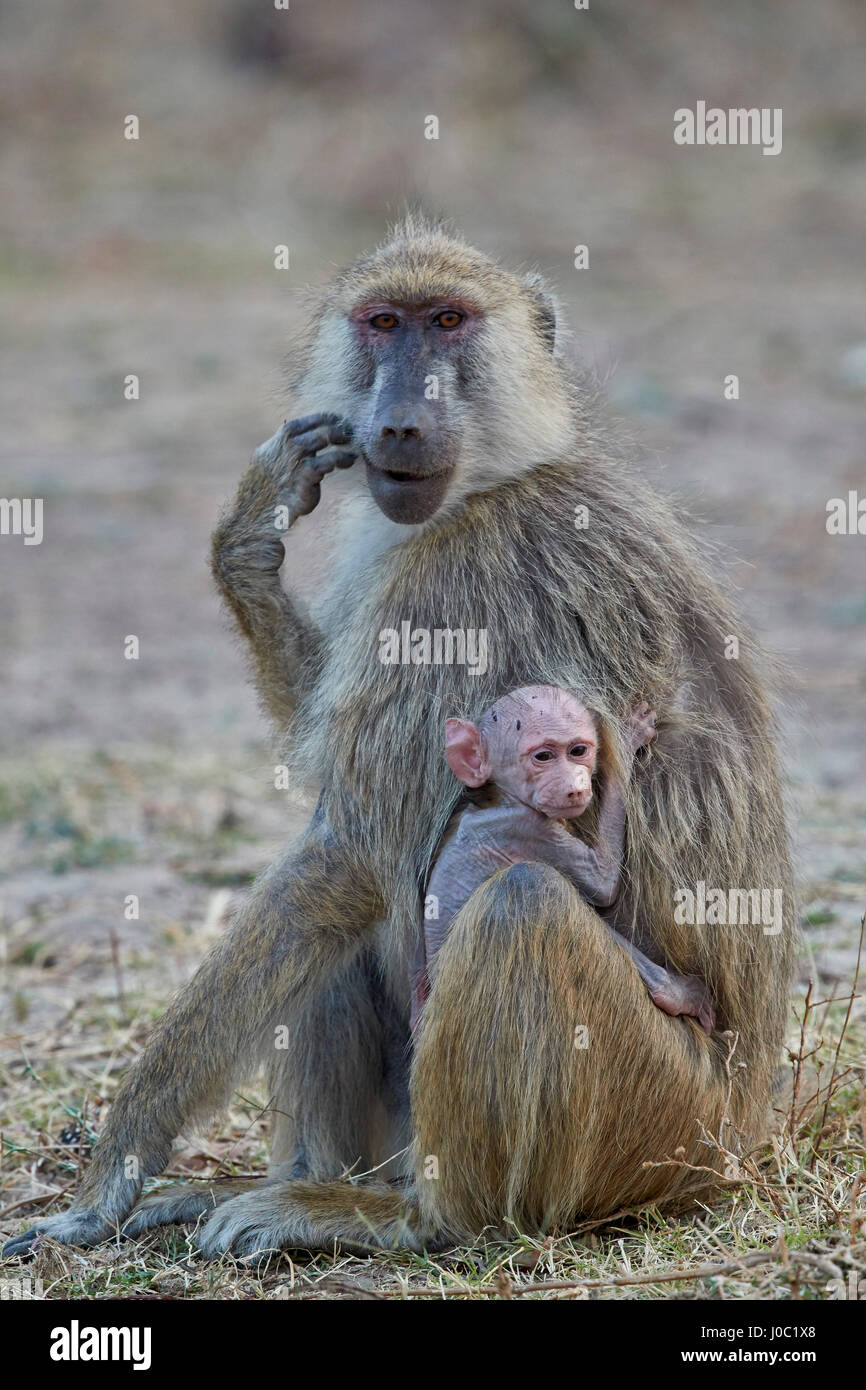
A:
410,433
388,432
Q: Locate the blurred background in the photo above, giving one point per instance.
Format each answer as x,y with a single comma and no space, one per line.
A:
306,127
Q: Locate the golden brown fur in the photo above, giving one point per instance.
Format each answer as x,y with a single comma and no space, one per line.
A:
526,1128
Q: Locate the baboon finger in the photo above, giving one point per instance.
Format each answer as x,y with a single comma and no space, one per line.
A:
313,441
293,428
297,438
326,462
306,492
305,489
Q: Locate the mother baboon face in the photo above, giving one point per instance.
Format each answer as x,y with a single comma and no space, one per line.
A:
443,366
409,440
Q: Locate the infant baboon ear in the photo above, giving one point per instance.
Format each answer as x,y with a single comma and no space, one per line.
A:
465,752
544,306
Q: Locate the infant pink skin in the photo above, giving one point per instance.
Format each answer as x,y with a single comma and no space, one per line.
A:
535,753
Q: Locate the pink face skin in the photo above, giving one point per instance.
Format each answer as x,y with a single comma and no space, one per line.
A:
441,327
538,745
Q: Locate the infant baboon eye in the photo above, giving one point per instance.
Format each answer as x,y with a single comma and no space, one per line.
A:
449,318
384,321
542,756
578,750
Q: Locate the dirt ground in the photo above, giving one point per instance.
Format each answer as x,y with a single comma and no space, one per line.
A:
154,777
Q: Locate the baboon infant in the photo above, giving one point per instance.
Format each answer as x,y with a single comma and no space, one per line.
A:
535,753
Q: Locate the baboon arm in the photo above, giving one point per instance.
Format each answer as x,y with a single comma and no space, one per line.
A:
595,871
283,647
281,484
677,995
304,918
601,868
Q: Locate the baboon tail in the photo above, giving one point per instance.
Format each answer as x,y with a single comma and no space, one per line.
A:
293,1215
359,1216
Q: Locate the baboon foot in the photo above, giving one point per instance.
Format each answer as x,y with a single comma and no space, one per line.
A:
184,1203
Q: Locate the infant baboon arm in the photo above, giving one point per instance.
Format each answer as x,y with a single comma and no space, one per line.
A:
672,993
597,871
282,483
302,919
596,874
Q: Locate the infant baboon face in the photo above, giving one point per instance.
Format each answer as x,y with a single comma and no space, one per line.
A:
539,745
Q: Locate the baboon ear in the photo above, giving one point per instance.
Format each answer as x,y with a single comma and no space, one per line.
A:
545,309
464,750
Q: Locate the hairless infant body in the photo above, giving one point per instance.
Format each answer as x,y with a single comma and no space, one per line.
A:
535,751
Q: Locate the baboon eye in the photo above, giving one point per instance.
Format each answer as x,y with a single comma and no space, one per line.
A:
578,750
542,756
449,318
384,321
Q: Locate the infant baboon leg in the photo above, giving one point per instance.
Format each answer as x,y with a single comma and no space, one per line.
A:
537,1023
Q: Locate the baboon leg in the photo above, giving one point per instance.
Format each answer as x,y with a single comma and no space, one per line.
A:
517,1122
537,1028
339,1095
303,920
340,1090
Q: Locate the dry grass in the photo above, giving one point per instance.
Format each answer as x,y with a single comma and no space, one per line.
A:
790,1225
158,259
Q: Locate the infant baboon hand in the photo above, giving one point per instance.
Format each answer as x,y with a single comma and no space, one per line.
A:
642,726
683,995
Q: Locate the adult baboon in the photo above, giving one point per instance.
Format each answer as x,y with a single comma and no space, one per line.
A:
438,370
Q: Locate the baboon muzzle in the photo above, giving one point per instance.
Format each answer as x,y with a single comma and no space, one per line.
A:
409,452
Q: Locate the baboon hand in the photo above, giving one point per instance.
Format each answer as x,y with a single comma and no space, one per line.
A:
78,1226
682,995
642,726
282,483
308,446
